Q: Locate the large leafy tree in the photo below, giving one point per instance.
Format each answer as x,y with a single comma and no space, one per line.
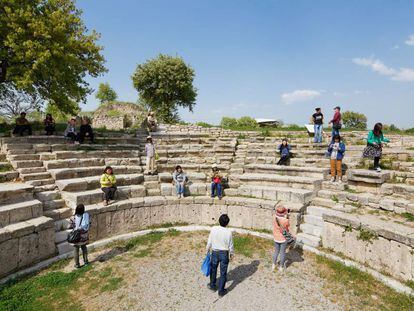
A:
105,93
165,83
46,49
354,120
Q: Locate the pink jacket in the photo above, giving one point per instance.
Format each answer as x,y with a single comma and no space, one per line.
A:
277,231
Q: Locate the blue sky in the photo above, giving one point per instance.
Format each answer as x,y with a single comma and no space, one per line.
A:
268,59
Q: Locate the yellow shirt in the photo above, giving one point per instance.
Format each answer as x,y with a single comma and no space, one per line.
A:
107,180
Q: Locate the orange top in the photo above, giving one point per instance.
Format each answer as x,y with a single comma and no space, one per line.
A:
277,231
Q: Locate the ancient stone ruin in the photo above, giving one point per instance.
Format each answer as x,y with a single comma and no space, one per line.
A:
366,218
118,116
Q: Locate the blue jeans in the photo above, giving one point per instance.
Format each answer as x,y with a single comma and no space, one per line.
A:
222,258
280,248
179,187
219,189
334,133
318,133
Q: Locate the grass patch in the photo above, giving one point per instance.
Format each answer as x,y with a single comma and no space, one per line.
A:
6,167
366,235
248,245
408,216
335,198
112,284
42,292
148,239
169,225
370,293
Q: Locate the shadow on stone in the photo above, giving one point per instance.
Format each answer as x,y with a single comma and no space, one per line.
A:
242,272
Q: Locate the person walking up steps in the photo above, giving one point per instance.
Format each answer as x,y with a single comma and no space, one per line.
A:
336,151
81,221
280,223
108,185
317,119
220,242
375,141
336,122
150,152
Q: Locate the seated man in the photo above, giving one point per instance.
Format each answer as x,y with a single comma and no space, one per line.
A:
22,125
152,122
85,131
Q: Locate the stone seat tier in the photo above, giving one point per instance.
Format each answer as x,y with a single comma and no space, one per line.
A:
193,152
35,176
15,193
278,180
81,172
26,163
192,177
204,168
191,189
59,155
23,157
368,176
96,195
315,172
93,182
398,190
13,213
286,194
88,162
193,160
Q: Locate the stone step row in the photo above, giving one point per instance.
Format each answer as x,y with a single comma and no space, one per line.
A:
13,213
88,162
81,172
314,172
15,192
277,180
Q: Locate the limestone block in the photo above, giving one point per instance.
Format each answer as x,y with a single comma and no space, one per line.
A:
402,257
333,237
117,222
210,213
19,214
376,256
191,213
261,218
270,194
138,191
167,189
410,208
157,215
104,225
172,213
387,205
28,249
355,248
9,251
294,220
240,216
47,247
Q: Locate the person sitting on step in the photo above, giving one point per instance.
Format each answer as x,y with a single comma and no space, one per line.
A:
85,130
49,123
70,131
284,151
216,179
152,122
81,221
336,151
108,185
22,125
179,179
375,142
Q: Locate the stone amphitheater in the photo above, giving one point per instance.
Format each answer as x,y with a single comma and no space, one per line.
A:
365,218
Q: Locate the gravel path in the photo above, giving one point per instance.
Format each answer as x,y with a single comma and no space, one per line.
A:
170,279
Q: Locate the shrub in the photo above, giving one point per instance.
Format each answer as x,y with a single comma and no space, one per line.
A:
247,122
204,124
227,122
354,120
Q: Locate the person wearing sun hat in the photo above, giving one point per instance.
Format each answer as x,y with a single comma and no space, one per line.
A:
280,222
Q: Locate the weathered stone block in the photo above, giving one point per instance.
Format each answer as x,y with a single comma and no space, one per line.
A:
28,249
402,257
333,237
9,251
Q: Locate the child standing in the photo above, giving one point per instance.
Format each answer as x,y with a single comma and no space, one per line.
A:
373,149
179,179
284,150
216,178
150,152
336,152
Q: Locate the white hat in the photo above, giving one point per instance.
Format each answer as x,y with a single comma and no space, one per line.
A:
214,165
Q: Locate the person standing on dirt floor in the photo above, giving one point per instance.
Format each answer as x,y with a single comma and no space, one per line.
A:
317,119
108,185
375,141
81,221
280,222
336,151
150,152
336,122
220,242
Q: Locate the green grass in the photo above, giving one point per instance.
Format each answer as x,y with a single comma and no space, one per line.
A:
5,168
335,198
248,245
42,292
371,294
112,284
148,239
408,216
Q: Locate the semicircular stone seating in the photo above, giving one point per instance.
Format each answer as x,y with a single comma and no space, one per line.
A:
48,178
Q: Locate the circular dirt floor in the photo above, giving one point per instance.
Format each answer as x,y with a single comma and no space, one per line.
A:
165,275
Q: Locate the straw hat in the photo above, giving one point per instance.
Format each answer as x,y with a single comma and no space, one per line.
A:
281,211
214,165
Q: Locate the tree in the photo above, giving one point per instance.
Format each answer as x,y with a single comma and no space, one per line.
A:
164,84
13,101
354,120
72,109
105,93
45,49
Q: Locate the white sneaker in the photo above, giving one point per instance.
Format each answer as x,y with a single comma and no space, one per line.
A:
339,180
333,179
273,267
378,169
281,269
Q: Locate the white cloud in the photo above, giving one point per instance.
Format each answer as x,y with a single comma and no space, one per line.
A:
299,96
395,47
410,40
402,74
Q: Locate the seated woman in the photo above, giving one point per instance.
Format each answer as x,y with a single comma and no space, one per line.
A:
179,179
70,131
49,123
22,125
284,150
85,131
108,185
216,179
